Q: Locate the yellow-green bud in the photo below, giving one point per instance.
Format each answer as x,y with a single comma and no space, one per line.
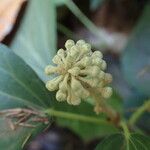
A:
61,96
53,84
78,89
103,65
97,61
69,44
50,69
106,92
75,84
61,53
97,54
101,75
72,98
63,85
80,43
74,52
57,60
86,48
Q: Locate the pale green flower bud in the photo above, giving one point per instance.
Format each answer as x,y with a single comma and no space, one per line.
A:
75,84
101,75
97,61
103,65
61,96
57,60
75,100
86,48
63,86
83,93
97,54
78,88
72,98
106,92
74,51
69,44
53,84
61,53
50,69
80,43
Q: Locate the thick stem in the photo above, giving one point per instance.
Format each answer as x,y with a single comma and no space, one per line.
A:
140,111
72,116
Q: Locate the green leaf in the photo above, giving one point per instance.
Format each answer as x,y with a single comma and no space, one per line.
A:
19,85
136,57
118,142
35,41
16,139
89,130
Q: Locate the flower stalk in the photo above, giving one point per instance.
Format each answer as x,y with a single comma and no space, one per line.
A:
77,117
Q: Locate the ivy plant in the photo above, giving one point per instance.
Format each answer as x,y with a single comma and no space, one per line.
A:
29,98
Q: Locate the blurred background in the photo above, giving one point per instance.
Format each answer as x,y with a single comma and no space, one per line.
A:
118,28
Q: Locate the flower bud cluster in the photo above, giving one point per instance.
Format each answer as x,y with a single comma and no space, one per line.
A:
78,70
